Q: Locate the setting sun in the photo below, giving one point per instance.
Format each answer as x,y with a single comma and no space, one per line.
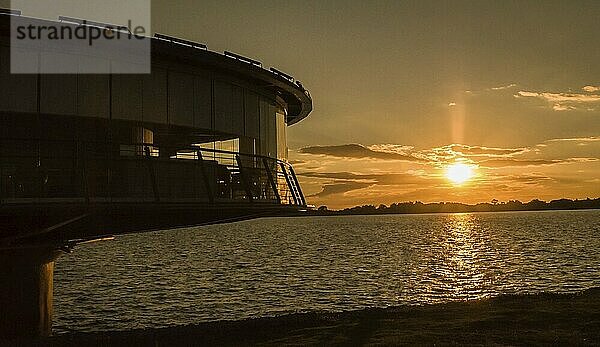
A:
459,173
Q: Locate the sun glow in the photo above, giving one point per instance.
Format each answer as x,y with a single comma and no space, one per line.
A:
459,173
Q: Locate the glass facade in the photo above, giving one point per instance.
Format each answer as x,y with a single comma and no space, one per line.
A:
177,134
282,149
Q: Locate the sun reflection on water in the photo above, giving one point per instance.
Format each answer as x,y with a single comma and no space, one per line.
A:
457,268
463,249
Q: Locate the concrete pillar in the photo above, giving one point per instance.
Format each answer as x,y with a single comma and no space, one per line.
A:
26,286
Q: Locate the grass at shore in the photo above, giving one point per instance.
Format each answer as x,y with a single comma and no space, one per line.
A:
544,319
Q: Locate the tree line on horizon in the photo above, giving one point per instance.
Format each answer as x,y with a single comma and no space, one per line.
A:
456,207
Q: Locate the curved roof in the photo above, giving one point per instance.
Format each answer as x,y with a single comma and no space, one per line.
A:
292,92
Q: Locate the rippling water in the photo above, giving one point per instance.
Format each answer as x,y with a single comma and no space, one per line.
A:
282,265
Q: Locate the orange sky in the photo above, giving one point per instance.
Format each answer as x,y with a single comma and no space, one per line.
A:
401,89
349,175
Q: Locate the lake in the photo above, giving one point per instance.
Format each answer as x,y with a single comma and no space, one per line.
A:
274,266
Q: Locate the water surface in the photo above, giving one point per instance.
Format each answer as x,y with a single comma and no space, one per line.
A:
275,266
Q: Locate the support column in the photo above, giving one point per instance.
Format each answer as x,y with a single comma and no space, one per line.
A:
26,288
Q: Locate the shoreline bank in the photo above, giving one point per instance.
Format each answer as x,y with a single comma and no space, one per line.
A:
563,319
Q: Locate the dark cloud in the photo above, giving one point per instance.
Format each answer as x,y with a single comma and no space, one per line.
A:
497,163
340,188
344,182
379,179
530,179
356,151
522,179
335,175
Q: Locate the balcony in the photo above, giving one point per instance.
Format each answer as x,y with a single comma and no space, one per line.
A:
46,172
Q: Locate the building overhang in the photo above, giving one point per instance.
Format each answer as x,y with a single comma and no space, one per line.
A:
292,92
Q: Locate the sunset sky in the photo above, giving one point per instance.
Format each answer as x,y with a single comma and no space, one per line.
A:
403,89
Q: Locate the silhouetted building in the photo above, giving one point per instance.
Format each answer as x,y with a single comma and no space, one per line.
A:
199,140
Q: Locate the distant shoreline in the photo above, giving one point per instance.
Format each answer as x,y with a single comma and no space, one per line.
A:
450,207
339,213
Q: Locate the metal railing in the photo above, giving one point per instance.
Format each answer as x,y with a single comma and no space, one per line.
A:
242,59
44,171
179,41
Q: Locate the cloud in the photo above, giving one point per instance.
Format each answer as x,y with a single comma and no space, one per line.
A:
591,89
379,178
451,152
339,188
561,97
529,179
549,152
435,156
560,107
576,139
488,90
392,148
485,151
564,101
497,163
355,151
509,86
335,175
567,148
340,183
516,180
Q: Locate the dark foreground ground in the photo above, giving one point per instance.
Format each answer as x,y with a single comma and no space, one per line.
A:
545,319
